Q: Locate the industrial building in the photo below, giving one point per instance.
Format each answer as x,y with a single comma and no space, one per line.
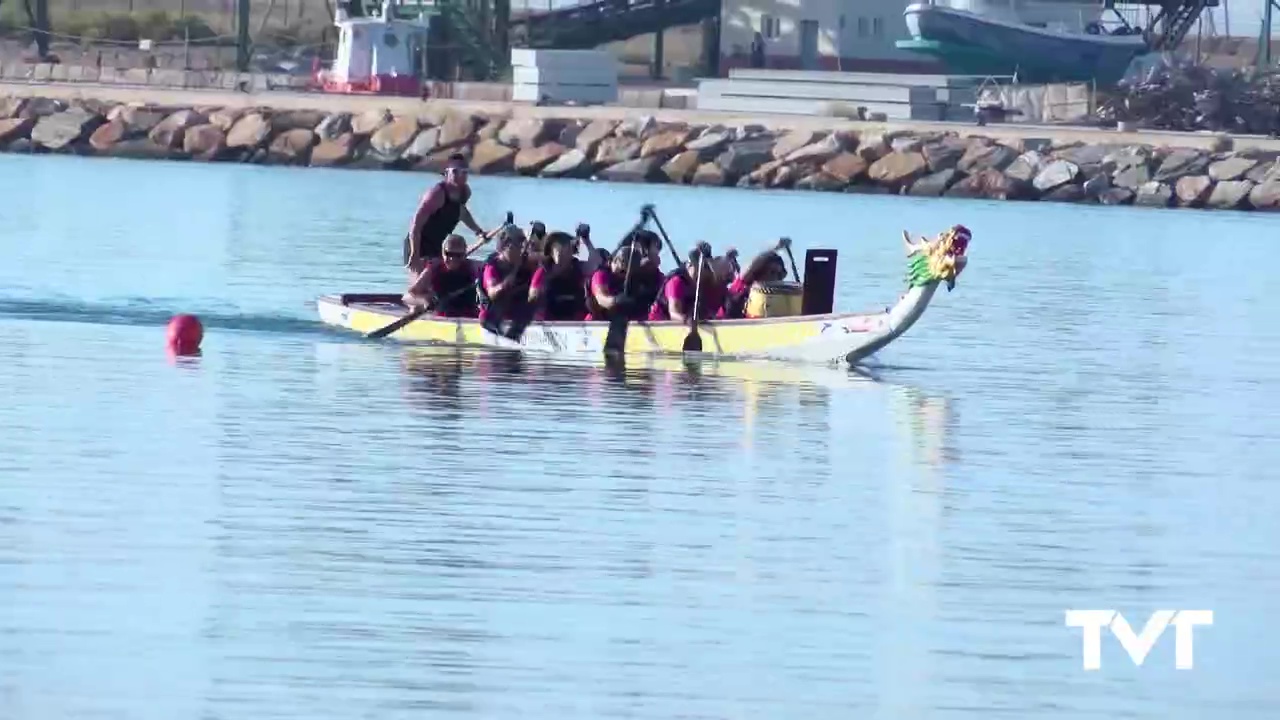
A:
849,35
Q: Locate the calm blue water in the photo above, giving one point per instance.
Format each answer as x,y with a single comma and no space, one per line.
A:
304,525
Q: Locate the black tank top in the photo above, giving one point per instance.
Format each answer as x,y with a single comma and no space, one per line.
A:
438,226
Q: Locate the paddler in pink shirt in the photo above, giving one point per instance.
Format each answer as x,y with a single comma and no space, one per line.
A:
505,279
559,285
768,266
680,292
605,293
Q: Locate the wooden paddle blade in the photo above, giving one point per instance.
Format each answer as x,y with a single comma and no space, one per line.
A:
394,326
693,341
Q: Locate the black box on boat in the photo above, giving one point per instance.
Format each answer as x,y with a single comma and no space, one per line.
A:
819,282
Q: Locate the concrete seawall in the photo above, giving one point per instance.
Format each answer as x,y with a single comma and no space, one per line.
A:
631,145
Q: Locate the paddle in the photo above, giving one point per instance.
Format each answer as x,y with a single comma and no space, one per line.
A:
692,341
616,339
787,246
424,309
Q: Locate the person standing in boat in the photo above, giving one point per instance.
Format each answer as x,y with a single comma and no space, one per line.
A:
681,291
768,266
558,288
438,213
447,285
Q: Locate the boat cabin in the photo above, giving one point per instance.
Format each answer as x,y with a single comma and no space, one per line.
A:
382,48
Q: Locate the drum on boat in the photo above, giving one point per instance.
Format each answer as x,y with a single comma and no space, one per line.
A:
775,299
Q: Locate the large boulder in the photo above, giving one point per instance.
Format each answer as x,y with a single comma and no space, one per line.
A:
817,152
849,167
388,141
1231,168
16,128
333,126
370,121
898,169
743,157
136,120
873,146
335,152
225,118
934,184
1229,194
107,135
635,127
1026,167
989,184
615,149
710,174
249,132
944,154
793,141
1266,196
40,107
681,167
59,131
1177,164
572,164
284,120
1055,174
11,107
1191,190
1153,194
981,156
492,157
525,133
169,132
821,181
645,169
1132,177
665,144
710,143
291,147
204,142
531,161
457,129
592,135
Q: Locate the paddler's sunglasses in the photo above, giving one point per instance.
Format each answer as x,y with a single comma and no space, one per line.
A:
454,255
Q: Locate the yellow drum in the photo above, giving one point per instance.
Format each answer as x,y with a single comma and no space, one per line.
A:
775,299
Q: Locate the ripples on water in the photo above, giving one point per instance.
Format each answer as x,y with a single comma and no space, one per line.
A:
303,525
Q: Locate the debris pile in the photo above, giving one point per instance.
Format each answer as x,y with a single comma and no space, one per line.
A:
1167,93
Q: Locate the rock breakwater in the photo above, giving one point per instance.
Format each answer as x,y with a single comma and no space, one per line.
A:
641,149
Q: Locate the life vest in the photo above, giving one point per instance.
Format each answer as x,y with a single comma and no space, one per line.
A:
708,304
517,292
451,290
614,285
735,300
438,226
646,285
565,292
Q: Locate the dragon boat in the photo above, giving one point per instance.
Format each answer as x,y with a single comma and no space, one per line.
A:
798,322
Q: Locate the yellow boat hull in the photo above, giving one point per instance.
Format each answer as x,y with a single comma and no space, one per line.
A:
815,338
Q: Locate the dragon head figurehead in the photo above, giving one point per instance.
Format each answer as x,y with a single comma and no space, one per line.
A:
943,258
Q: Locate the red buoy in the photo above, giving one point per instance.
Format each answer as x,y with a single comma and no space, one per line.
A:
185,334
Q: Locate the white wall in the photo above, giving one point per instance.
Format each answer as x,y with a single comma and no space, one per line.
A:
870,27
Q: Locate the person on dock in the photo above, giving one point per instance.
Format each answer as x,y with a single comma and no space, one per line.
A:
768,266
438,213
682,290
447,285
558,288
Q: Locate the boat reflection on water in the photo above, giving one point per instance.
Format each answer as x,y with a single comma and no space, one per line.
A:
910,644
